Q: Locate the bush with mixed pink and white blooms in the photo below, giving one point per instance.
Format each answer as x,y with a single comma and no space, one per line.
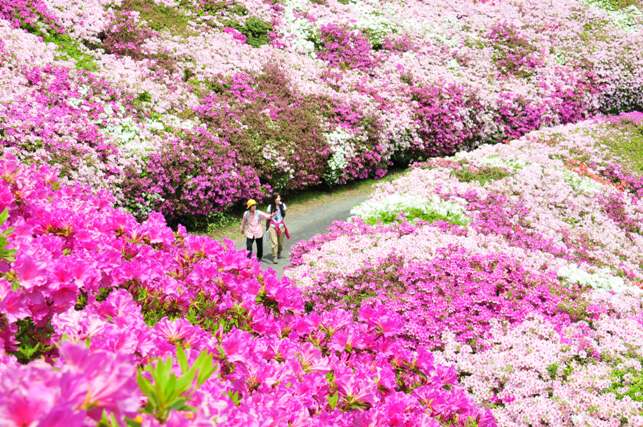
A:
336,90
516,264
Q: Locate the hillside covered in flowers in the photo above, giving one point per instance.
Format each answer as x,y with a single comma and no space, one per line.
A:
517,265
190,106
496,283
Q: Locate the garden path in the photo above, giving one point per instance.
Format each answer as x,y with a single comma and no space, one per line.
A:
310,214
307,219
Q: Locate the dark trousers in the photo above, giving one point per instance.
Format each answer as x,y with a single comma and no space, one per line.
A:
259,247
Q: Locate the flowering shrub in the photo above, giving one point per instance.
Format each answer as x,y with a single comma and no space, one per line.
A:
194,176
126,35
273,129
357,90
344,48
27,13
513,52
124,309
446,119
535,299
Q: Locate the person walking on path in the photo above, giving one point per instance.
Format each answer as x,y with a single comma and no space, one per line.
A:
251,227
276,226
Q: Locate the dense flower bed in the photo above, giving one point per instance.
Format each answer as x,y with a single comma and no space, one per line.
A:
304,92
110,312
516,264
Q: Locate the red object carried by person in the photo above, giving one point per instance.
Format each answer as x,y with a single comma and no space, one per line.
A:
278,226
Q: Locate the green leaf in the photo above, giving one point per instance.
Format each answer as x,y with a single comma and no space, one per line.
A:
333,399
181,358
4,215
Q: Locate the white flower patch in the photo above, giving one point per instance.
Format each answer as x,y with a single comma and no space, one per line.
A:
129,138
272,155
373,209
297,30
372,23
600,279
342,149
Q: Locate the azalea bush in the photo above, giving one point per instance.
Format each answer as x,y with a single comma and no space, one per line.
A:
194,176
335,92
108,321
515,264
274,130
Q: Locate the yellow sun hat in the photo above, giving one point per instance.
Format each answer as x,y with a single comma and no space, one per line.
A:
250,203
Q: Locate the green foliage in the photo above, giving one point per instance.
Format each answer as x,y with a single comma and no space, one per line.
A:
263,299
32,340
615,4
627,382
333,399
552,370
483,175
70,49
255,29
205,313
627,145
160,17
234,397
167,392
6,254
412,214
154,307
143,97
110,420
355,300
217,7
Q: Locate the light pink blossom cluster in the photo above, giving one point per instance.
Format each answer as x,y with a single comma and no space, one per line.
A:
394,81
519,264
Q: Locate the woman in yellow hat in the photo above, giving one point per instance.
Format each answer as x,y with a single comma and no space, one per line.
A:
251,227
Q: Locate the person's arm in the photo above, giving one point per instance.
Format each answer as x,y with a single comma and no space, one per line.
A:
243,223
267,215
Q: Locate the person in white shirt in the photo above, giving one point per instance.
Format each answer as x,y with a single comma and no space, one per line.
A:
251,227
276,226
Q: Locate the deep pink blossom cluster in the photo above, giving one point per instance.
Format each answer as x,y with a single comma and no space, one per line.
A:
100,296
194,175
27,12
344,48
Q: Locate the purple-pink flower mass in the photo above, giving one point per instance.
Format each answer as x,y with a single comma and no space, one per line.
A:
495,282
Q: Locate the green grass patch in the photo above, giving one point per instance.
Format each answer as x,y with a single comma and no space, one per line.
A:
413,214
160,17
627,145
255,29
69,49
482,175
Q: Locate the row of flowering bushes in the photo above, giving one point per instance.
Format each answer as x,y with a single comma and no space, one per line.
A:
294,93
128,323
518,265
500,286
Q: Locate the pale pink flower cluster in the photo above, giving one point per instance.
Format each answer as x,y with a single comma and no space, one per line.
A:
543,207
83,19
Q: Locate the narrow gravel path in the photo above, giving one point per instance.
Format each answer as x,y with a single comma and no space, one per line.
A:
308,219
